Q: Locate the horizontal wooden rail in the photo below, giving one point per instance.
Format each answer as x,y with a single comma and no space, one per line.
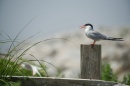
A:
51,81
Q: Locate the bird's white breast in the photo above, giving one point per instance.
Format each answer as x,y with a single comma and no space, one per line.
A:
87,30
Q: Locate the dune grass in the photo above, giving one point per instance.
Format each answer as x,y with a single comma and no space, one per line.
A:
10,63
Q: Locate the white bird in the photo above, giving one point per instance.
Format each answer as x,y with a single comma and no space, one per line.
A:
96,36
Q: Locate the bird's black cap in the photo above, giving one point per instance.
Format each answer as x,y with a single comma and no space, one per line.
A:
88,24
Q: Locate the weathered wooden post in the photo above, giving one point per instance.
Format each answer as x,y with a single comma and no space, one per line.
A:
90,62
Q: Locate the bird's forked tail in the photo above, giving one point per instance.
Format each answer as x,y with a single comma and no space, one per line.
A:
115,39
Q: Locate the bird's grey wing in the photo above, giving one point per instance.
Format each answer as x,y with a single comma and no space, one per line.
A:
96,35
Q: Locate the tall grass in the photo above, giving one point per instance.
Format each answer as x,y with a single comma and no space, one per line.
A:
10,63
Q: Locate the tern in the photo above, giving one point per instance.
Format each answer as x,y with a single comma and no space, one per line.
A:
96,36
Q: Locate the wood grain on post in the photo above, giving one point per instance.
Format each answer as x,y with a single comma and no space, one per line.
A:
90,62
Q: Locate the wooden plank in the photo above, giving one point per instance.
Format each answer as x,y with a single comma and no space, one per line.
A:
90,62
51,81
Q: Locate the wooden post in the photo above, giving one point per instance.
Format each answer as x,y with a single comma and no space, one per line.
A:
90,62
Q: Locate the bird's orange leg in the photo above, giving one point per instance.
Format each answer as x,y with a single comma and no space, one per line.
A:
92,45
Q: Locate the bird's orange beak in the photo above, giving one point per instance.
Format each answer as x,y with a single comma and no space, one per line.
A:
82,27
